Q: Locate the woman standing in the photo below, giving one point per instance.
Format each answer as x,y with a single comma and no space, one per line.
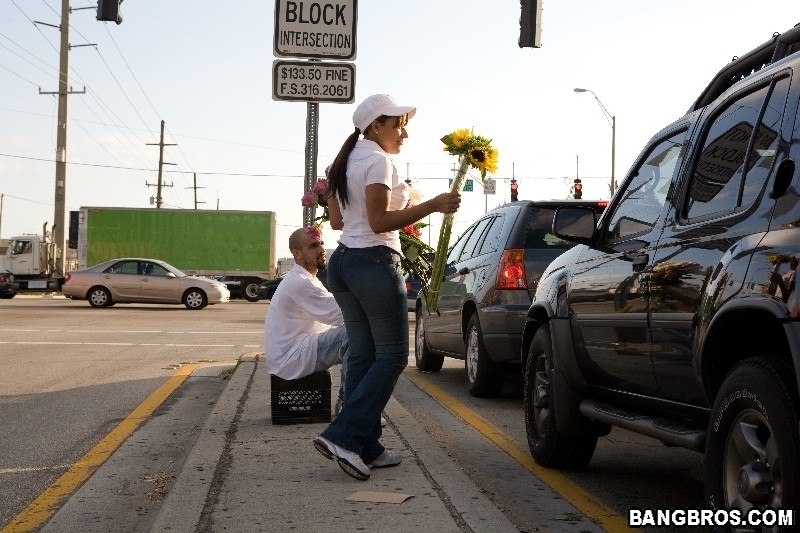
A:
364,276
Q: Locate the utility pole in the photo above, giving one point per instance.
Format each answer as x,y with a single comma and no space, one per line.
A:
161,164
195,191
60,196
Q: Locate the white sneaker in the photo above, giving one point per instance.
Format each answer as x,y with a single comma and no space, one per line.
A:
386,459
348,461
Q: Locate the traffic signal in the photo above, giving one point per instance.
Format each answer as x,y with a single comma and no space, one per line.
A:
578,189
108,10
514,190
530,24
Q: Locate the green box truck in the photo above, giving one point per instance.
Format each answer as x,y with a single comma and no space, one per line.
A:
237,247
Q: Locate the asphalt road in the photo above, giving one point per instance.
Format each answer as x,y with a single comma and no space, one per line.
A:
71,373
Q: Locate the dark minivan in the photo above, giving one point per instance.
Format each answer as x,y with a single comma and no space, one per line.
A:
491,275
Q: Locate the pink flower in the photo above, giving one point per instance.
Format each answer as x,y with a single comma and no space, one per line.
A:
309,199
320,187
313,232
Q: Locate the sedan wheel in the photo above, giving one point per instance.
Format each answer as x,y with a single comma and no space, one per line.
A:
195,299
99,297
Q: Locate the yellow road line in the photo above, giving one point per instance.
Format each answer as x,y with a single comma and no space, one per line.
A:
582,500
43,507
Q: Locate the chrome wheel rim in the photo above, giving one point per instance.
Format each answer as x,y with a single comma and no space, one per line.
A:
419,337
472,354
98,297
194,299
541,395
751,465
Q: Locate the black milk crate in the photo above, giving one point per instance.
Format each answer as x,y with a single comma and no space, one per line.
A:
304,400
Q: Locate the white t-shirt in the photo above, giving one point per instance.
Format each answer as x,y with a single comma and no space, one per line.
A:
369,164
299,311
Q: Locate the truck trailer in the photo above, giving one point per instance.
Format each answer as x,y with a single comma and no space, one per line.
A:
237,247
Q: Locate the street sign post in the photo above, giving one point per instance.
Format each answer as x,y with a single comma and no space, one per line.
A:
313,81
320,30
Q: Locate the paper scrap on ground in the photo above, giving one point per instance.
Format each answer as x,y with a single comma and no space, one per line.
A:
378,497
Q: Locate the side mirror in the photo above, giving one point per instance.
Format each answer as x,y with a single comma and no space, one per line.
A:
171,275
576,224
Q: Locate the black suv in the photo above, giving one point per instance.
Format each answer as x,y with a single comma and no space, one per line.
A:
677,315
491,274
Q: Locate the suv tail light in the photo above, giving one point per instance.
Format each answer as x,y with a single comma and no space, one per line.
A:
511,274
2,278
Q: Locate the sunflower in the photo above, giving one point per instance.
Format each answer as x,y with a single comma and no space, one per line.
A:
476,149
460,137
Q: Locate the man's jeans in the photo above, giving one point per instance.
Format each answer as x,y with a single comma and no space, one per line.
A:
368,286
332,347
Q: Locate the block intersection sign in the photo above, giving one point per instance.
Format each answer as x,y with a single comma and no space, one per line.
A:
315,30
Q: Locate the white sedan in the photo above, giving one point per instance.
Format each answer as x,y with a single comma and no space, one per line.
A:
137,280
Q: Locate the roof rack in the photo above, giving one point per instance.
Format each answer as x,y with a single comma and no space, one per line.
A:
781,45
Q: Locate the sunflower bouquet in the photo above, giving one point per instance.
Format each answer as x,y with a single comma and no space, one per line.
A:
473,151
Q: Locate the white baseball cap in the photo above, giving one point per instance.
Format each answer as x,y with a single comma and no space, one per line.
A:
378,105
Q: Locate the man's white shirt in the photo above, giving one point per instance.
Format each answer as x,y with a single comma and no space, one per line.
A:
300,309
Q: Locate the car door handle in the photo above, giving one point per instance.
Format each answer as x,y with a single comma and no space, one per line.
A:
464,271
639,262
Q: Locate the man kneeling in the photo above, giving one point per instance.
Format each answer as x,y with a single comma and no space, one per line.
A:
304,331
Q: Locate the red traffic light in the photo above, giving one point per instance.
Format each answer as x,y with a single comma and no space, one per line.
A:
578,189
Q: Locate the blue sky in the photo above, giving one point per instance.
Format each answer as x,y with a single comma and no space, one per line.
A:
205,69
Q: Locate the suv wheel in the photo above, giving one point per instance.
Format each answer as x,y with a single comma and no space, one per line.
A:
549,447
485,378
426,360
753,447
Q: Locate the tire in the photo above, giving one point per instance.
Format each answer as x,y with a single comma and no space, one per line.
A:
752,446
251,292
485,378
99,297
549,447
195,299
426,360
8,295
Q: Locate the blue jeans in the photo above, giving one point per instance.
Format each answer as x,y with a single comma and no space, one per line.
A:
369,288
332,349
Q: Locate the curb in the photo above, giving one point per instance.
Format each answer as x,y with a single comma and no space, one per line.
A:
468,506
185,503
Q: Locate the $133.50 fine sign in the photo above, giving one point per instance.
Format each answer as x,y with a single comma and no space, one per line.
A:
313,81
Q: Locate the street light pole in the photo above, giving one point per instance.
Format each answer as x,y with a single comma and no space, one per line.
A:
612,120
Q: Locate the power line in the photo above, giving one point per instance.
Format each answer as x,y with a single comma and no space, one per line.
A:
46,160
